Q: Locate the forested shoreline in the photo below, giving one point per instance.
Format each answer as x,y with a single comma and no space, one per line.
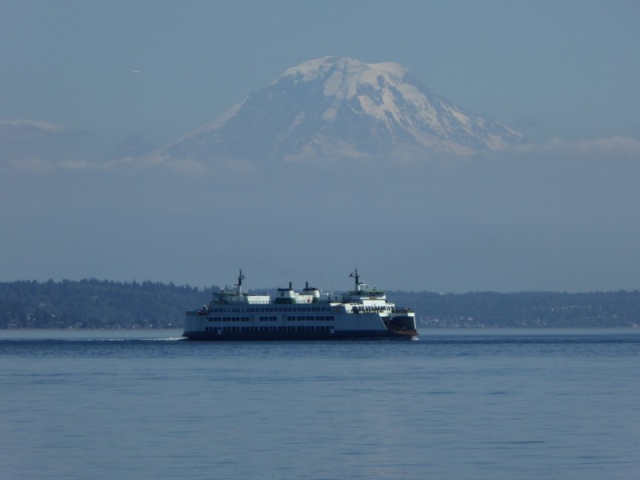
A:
96,304
105,304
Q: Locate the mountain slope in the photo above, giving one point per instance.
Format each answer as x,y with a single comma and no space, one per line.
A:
341,107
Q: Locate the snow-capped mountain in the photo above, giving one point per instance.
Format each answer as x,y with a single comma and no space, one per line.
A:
341,107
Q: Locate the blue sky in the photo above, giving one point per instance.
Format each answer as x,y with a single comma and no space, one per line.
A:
564,70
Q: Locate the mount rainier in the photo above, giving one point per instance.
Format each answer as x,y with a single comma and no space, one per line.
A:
342,108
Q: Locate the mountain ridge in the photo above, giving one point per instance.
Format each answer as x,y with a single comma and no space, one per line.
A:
342,107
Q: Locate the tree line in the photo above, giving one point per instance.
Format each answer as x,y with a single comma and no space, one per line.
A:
95,303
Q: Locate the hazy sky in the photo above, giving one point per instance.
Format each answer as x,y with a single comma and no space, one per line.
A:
571,66
78,77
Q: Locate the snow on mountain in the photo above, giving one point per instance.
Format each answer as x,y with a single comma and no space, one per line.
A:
341,107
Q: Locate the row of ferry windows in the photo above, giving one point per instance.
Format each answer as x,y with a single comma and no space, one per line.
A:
302,318
271,309
269,329
291,318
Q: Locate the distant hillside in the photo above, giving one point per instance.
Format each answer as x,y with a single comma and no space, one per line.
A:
524,309
107,304
96,304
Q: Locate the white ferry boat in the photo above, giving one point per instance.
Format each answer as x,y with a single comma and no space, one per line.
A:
363,312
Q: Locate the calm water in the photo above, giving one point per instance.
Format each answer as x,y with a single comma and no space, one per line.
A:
453,405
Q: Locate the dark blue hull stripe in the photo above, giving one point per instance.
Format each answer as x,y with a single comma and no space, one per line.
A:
226,336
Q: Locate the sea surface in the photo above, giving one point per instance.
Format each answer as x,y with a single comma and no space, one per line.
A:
455,404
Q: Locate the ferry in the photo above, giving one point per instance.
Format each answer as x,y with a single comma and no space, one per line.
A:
363,312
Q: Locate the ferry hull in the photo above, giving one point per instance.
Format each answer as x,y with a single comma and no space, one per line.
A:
345,326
